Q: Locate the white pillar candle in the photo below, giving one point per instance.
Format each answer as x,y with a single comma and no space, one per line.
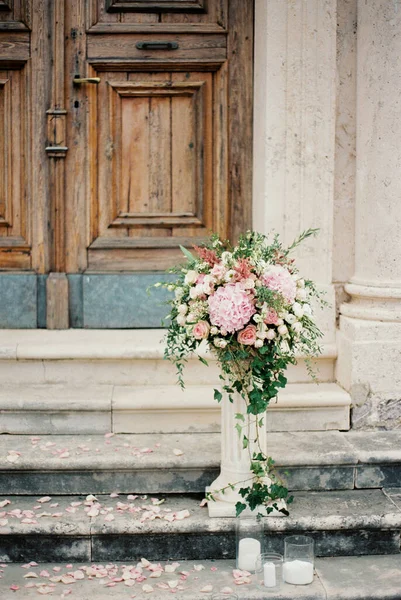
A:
298,572
248,551
269,574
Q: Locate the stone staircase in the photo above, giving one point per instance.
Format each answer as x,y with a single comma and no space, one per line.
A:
84,413
59,382
345,487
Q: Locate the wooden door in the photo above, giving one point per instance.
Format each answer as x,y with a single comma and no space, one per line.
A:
152,151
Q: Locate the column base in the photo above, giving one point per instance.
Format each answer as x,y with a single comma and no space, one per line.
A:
368,366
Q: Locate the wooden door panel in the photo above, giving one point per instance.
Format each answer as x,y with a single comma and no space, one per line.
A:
15,249
154,162
123,14
16,13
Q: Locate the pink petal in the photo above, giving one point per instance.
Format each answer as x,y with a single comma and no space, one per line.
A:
178,452
44,573
206,589
4,503
108,435
203,503
64,455
109,517
44,499
226,590
14,587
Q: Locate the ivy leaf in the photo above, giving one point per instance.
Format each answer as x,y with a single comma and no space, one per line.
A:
203,360
245,442
239,508
240,417
218,395
238,428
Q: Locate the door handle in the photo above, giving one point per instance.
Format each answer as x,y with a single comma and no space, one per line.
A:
78,80
157,45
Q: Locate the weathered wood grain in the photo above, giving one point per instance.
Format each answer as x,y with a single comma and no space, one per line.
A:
57,301
240,114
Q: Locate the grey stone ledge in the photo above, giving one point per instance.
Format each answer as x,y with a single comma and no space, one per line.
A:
311,511
347,578
375,446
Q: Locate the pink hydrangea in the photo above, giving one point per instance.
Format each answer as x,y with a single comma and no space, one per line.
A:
230,307
279,279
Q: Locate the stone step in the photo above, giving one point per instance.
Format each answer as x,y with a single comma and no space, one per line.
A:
342,523
346,578
117,357
81,464
103,380
63,408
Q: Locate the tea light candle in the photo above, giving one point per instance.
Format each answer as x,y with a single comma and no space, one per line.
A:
298,572
269,574
248,551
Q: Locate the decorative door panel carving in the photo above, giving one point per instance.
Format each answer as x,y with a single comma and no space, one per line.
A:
178,14
14,215
153,157
16,13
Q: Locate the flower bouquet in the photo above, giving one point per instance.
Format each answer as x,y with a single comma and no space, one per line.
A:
254,310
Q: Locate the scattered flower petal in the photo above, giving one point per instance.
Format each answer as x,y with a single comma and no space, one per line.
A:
226,590
147,588
44,499
178,452
199,567
207,589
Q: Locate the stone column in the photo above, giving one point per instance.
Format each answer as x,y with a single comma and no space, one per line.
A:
235,460
294,132
369,363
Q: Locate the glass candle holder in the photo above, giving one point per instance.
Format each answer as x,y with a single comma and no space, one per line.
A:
249,533
299,560
269,571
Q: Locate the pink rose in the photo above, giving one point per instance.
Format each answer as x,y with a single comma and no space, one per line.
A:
219,271
271,317
201,330
247,336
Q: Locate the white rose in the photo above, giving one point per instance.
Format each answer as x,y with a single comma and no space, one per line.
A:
191,277
223,331
208,279
181,320
207,288
258,343
191,318
290,318
301,294
307,309
282,329
214,330
297,327
261,334
280,322
270,334
298,310
183,309
301,283
223,343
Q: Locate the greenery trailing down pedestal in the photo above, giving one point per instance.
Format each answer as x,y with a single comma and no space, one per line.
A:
254,309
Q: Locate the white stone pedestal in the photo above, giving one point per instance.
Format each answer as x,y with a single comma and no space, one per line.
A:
235,460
